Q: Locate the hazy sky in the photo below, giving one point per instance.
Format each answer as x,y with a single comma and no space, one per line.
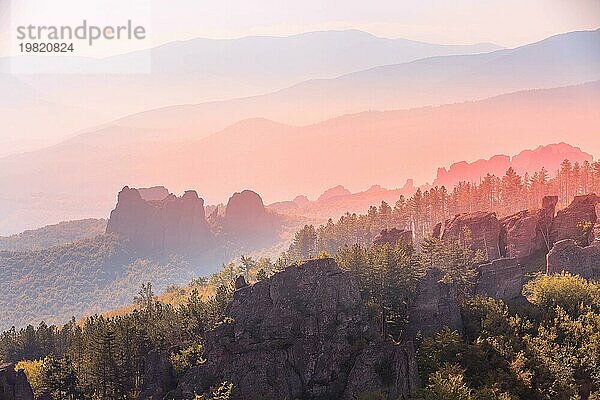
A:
508,22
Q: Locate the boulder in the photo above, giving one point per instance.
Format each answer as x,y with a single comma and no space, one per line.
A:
568,222
435,307
393,236
173,223
303,333
528,232
568,256
481,229
14,384
501,279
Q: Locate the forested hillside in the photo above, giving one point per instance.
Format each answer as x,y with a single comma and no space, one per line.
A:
54,235
78,278
544,347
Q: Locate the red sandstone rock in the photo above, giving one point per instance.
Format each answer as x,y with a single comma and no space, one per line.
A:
481,229
174,223
569,222
528,232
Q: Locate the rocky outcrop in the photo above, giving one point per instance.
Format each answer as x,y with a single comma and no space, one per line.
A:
174,223
481,229
501,279
576,221
247,219
245,209
154,193
291,206
528,232
14,384
393,236
158,376
566,255
435,307
334,192
302,334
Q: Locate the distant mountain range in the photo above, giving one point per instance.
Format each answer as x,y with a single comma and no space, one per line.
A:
78,178
561,60
73,93
222,82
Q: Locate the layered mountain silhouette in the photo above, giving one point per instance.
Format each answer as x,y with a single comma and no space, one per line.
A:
561,60
79,92
76,179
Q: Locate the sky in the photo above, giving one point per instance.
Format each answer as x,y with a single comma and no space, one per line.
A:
509,23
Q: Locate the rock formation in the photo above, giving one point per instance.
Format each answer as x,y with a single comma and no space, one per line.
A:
158,376
566,255
435,307
245,209
336,191
154,193
247,219
393,236
501,279
302,334
13,384
576,221
530,161
174,223
481,229
528,232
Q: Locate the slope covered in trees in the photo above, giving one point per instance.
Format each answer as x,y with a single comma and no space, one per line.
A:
79,278
504,195
53,235
543,348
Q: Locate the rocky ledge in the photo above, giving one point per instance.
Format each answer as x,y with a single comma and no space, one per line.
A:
302,334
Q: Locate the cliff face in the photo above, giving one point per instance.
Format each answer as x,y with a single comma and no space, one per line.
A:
528,232
482,229
570,222
174,223
245,210
303,333
248,221
501,279
13,384
575,232
179,224
566,255
435,307
567,240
